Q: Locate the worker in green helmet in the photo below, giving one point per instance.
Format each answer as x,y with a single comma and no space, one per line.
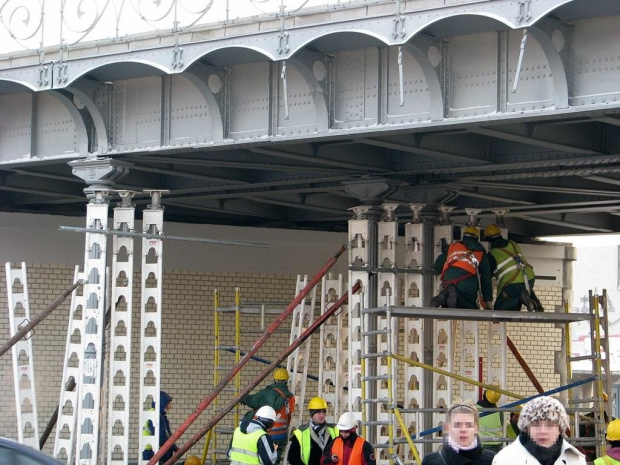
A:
465,274
309,441
278,396
514,275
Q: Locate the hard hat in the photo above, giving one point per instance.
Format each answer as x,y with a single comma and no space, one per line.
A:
471,231
317,403
492,396
281,374
192,460
346,422
613,431
266,412
492,230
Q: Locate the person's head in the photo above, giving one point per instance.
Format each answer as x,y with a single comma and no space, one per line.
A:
613,433
492,232
317,407
347,424
471,231
192,460
280,374
492,396
544,419
461,425
165,402
514,417
266,415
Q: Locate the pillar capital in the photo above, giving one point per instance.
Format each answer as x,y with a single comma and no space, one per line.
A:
100,174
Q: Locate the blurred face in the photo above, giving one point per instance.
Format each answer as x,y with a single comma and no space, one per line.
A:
168,407
461,429
544,432
319,417
346,433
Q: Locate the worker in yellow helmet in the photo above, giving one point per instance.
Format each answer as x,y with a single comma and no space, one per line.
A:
278,396
192,460
612,456
491,424
310,440
514,275
465,274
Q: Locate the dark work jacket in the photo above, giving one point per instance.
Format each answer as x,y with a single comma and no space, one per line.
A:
448,456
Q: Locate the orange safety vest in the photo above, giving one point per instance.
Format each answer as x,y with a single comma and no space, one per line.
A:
356,458
461,257
279,431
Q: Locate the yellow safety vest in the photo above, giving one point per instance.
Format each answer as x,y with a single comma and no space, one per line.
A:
510,266
606,460
244,447
305,440
146,431
490,428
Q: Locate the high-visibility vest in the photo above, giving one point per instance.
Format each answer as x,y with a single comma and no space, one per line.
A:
244,447
510,432
606,460
279,430
146,430
356,457
490,427
304,438
510,266
461,257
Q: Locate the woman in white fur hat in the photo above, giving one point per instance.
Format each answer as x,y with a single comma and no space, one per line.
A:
543,422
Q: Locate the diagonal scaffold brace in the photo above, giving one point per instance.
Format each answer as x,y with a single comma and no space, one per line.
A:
246,358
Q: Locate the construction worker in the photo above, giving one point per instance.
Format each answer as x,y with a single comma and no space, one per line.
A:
250,444
515,276
612,455
512,430
165,404
461,444
465,274
277,396
192,460
348,448
492,423
309,441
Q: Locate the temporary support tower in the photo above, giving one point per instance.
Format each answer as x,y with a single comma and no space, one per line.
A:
120,333
64,445
150,321
91,357
297,365
23,362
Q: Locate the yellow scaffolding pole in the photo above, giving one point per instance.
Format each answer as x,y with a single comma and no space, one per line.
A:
459,377
237,347
216,376
405,431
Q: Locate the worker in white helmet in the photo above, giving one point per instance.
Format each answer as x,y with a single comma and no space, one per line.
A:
251,443
348,448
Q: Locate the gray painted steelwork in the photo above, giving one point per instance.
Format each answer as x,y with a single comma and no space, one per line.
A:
483,104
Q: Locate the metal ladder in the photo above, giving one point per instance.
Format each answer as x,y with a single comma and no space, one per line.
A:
23,362
600,366
297,363
64,444
120,333
222,352
150,321
91,354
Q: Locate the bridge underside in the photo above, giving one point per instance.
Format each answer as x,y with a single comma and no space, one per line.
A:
241,138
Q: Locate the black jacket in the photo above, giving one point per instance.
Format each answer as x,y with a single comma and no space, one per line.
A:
448,456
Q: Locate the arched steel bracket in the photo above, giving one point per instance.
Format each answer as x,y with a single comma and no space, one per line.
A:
416,49
198,76
84,90
78,120
316,90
